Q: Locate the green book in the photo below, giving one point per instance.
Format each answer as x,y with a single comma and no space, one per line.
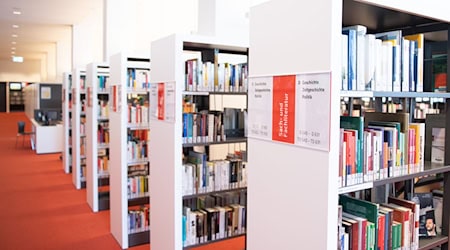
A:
356,123
361,208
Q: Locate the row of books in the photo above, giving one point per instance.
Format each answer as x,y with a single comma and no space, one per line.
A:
137,145
138,79
203,127
381,62
138,114
103,165
103,109
139,220
379,146
103,83
103,133
202,176
213,223
222,77
397,224
137,186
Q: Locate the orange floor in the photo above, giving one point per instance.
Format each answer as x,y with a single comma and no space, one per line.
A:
41,209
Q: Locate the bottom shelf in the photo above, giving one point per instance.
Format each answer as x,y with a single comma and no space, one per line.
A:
138,238
430,243
213,241
103,201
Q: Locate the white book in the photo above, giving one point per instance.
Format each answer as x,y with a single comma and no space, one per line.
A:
396,74
405,65
222,225
344,60
360,54
388,64
369,71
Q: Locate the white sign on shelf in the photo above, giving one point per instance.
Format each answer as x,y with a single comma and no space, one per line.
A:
291,109
313,111
162,101
260,108
153,101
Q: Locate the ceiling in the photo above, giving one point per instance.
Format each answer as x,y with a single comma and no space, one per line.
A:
40,25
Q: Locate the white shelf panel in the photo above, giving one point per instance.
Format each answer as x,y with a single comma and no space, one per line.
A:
355,93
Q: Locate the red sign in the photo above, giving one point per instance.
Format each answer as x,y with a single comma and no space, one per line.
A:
161,101
283,108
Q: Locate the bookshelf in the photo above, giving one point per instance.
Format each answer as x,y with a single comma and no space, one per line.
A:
311,48
129,135
97,132
78,128
171,58
67,122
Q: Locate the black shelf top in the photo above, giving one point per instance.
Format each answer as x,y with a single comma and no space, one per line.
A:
185,197
430,243
356,93
380,19
429,169
198,46
138,201
227,141
213,241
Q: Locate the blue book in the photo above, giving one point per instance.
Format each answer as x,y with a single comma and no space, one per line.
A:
412,65
351,58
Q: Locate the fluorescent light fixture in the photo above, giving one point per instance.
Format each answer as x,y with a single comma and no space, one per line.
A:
17,59
17,12
14,35
15,26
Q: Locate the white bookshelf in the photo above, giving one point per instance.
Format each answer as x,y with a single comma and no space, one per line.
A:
168,67
67,122
303,180
78,136
96,176
119,161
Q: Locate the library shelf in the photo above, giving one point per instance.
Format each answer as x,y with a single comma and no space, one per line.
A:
139,238
429,169
431,243
227,141
213,241
355,93
190,196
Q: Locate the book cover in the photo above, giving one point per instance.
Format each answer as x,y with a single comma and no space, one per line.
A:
361,208
427,222
438,145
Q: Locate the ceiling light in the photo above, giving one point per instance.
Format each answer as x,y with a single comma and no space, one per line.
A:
13,52
17,59
13,42
13,48
17,12
15,26
14,35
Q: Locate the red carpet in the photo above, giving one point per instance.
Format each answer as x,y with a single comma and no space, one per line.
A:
41,209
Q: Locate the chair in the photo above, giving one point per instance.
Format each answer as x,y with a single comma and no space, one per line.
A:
21,132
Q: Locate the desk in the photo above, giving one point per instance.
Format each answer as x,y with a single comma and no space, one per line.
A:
47,139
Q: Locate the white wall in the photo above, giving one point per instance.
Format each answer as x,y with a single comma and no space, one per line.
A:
28,71
63,54
87,40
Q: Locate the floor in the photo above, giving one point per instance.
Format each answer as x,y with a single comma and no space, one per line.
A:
41,209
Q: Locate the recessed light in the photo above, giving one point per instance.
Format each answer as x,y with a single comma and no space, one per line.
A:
15,26
17,12
14,35
13,52
13,42
13,48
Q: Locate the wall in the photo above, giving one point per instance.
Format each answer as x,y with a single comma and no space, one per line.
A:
28,71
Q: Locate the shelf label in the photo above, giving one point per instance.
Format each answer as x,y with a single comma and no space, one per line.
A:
153,101
260,107
293,109
313,111
162,101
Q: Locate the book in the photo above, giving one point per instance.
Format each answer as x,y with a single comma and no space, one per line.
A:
414,221
351,68
438,145
360,54
427,222
356,123
418,40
